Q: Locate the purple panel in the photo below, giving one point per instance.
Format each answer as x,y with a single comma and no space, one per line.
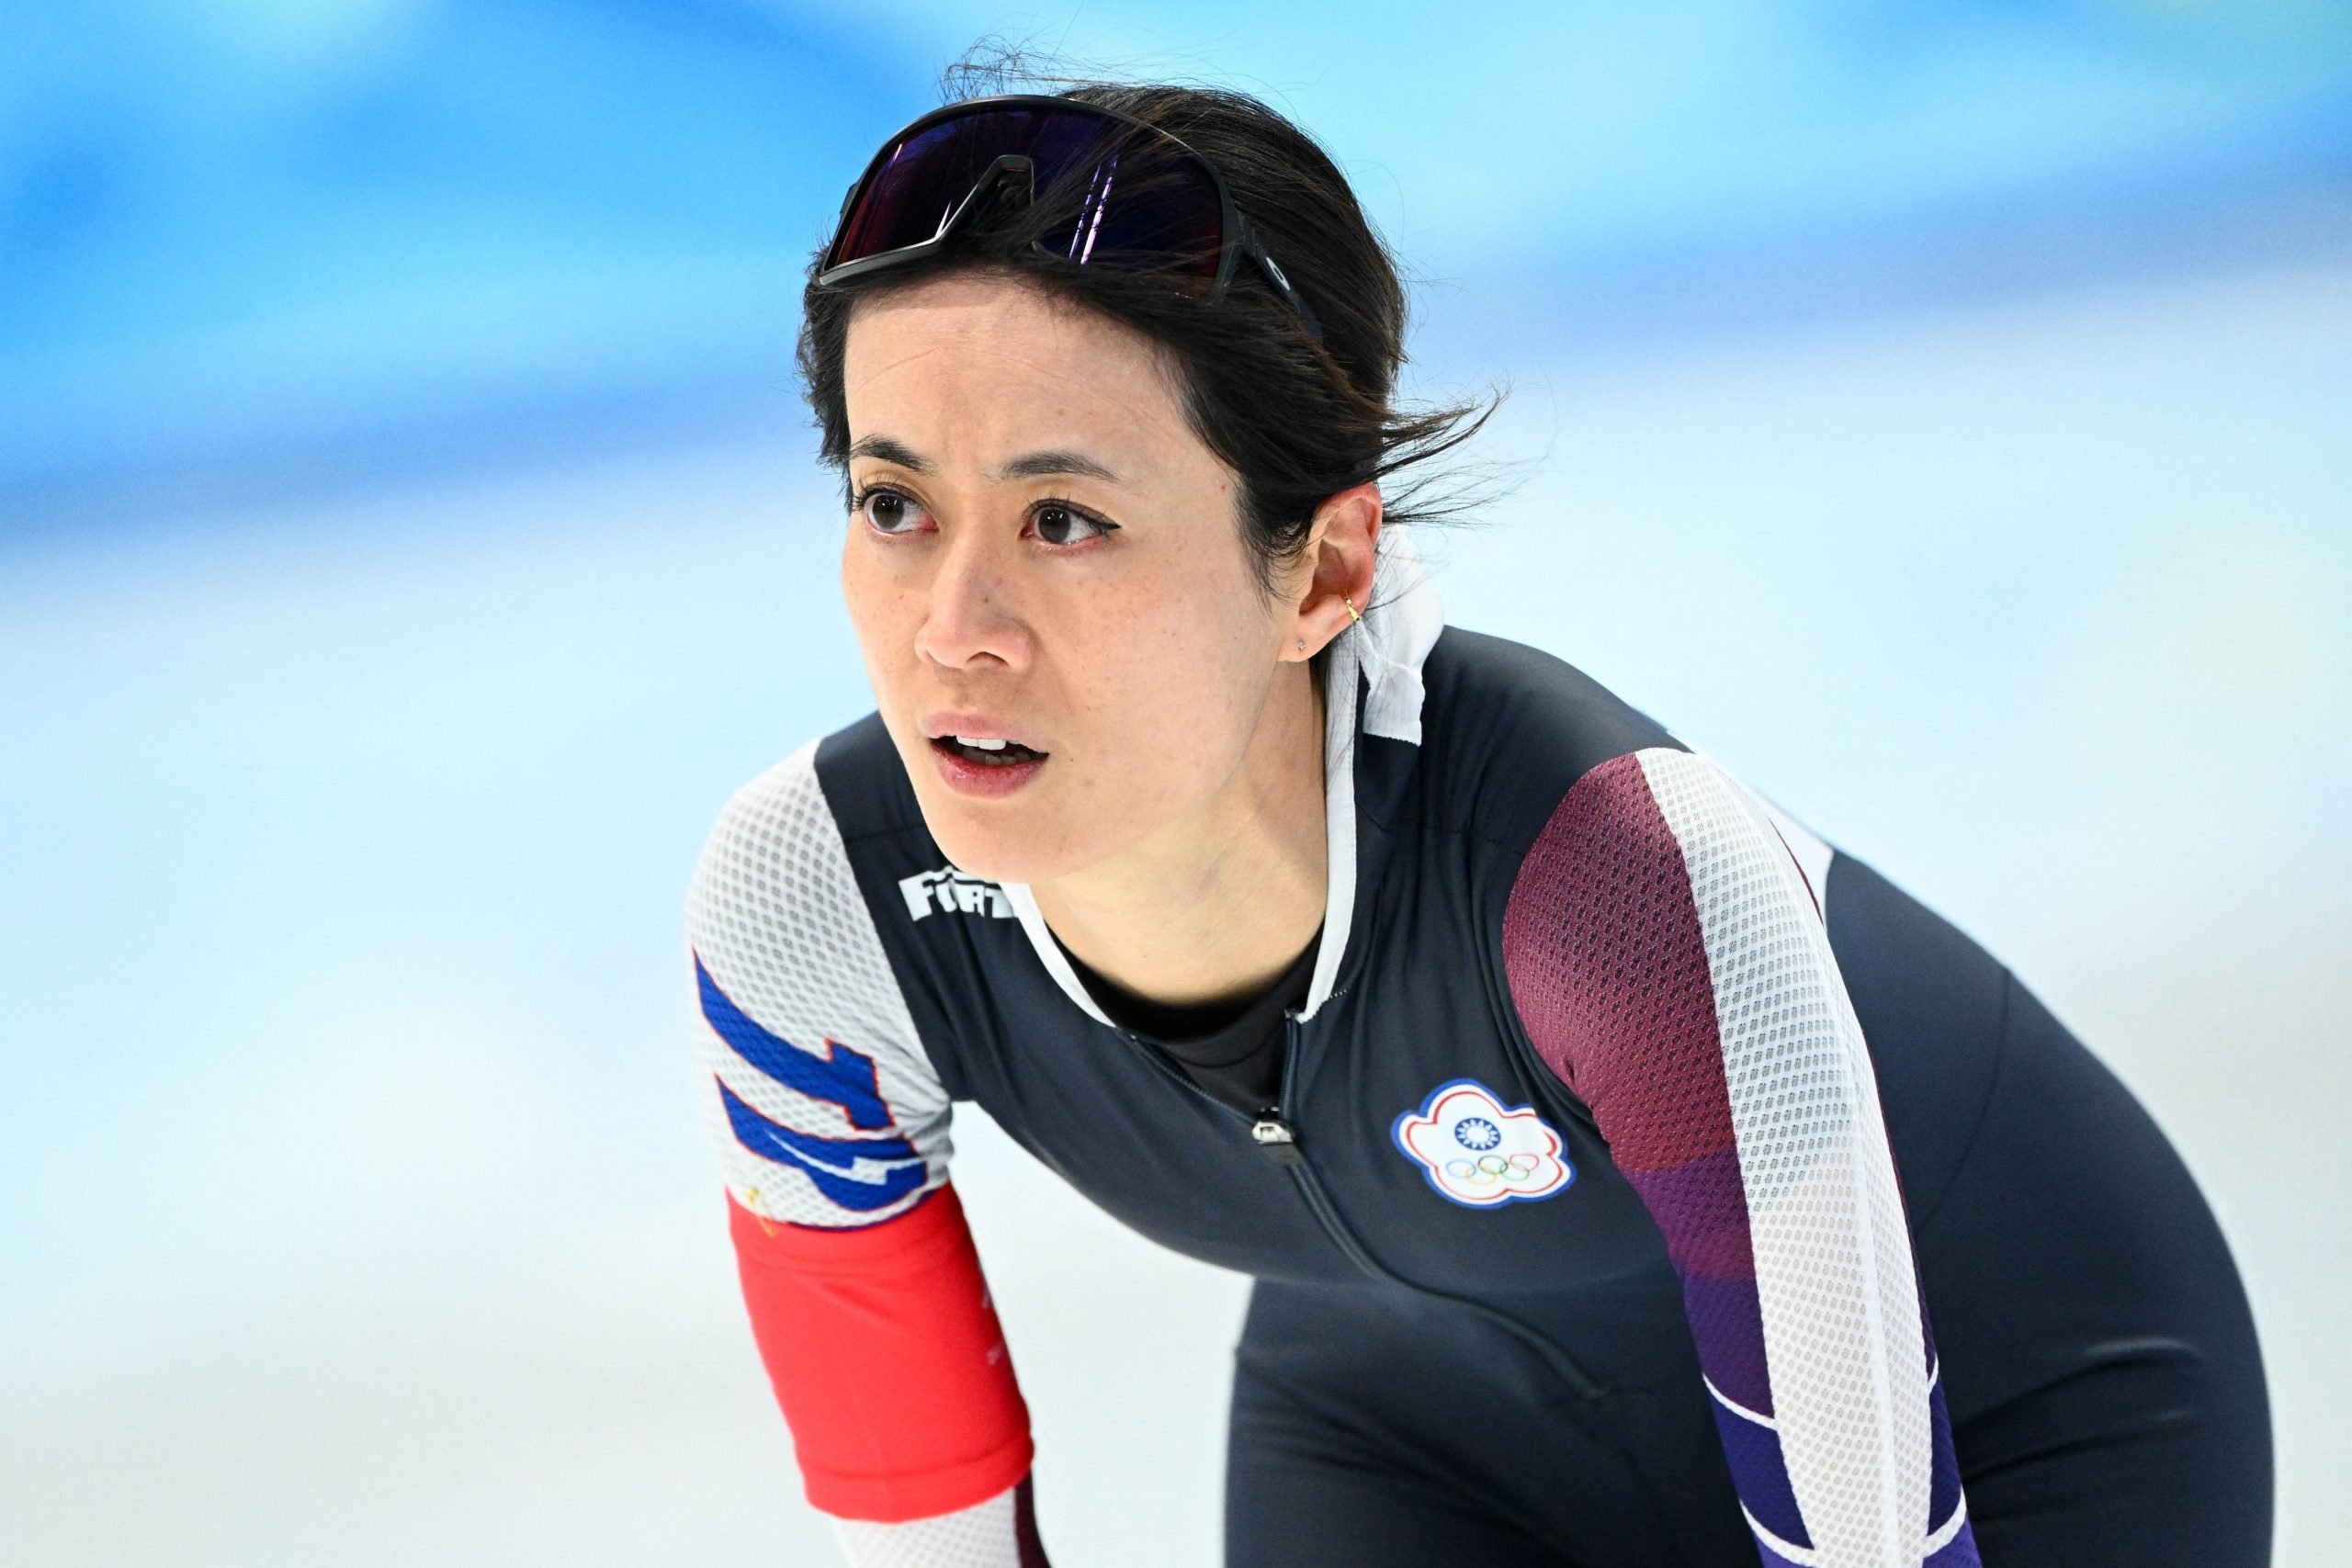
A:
1763,1477
1958,1553
1943,1464
1728,1326
1702,1208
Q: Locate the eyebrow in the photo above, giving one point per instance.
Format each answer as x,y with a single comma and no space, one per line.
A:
896,453
1028,466
1036,464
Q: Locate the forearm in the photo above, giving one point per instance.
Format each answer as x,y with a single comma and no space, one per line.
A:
887,1360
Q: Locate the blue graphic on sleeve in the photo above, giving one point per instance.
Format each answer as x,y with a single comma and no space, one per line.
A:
1476,1133
842,1077
862,1174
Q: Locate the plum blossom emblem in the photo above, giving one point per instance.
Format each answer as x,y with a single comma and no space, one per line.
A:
1480,1153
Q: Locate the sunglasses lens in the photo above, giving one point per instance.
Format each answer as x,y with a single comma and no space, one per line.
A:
1160,211
922,180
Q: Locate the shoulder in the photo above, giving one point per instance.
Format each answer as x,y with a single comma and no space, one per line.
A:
1664,823
775,912
1533,754
1659,891
837,787
1508,731
774,849
826,1100
781,840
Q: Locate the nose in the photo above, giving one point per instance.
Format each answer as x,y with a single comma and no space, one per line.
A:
969,621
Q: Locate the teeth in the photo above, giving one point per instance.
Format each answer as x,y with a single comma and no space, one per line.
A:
979,744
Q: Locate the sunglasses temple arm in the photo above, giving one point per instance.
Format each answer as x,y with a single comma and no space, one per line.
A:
1255,249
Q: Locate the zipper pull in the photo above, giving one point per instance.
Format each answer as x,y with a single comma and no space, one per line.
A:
1277,1137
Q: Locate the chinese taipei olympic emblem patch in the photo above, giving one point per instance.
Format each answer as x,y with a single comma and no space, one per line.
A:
1480,1153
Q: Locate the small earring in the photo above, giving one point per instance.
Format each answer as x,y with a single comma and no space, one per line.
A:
1302,645
1354,614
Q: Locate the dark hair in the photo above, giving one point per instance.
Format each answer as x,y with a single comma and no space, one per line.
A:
1294,421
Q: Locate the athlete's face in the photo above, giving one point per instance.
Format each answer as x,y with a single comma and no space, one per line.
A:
1042,553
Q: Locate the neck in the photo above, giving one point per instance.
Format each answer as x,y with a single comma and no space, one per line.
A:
1218,905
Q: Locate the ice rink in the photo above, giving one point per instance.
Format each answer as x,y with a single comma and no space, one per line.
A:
360,1213
409,538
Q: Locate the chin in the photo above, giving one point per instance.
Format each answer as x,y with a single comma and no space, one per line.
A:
1026,838
998,846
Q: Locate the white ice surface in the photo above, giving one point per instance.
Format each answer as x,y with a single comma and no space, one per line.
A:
356,1208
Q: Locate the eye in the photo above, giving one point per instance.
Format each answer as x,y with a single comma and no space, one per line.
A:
1059,523
889,511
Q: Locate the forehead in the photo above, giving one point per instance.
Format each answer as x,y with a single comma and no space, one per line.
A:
969,368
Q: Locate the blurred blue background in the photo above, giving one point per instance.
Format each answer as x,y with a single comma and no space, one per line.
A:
408,537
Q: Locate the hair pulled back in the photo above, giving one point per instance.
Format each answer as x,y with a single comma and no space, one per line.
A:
1296,422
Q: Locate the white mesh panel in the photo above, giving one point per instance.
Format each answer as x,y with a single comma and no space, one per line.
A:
1842,1333
982,1536
1812,854
776,915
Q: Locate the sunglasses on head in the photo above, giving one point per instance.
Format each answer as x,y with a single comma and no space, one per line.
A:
1172,215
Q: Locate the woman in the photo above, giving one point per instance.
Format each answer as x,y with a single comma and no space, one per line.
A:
1628,1177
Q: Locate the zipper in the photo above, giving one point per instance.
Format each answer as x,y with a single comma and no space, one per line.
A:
1276,1136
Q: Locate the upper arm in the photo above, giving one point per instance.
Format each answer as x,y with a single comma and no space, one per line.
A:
825,1107
864,1291
1668,956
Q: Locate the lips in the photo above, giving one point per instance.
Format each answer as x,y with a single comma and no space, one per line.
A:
977,756
990,753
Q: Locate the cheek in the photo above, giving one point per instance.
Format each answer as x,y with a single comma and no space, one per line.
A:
1175,677
882,609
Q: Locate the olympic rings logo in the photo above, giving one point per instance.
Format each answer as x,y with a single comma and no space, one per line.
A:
1487,1169
1478,1151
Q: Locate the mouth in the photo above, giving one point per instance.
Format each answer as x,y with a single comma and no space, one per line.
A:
987,751
972,762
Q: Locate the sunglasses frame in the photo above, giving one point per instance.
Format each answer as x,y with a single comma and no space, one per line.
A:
1014,173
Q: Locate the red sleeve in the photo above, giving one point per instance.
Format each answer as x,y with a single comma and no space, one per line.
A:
888,1358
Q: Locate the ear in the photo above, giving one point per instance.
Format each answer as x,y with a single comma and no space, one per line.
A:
1333,570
